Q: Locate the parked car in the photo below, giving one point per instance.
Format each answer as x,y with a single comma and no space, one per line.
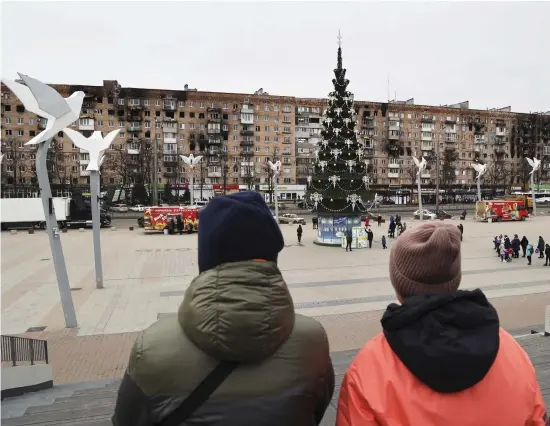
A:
121,207
373,217
137,208
292,218
442,214
427,215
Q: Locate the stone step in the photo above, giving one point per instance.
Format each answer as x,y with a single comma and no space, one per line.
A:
67,417
96,391
76,403
106,394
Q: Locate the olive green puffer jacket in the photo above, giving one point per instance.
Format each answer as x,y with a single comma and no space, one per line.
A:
242,312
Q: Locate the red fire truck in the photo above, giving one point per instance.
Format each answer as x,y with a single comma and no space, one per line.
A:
499,210
157,218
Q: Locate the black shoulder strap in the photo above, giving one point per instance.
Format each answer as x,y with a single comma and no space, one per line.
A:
200,394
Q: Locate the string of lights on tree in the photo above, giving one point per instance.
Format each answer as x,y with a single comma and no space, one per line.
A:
339,182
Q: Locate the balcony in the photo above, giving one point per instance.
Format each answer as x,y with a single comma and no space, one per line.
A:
499,150
247,133
169,150
499,140
169,127
368,152
546,150
168,138
393,135
393,175
170,174
247,153
368,123
134,104
450,129
42,123
214,110
426,119
427,137
479,139
86,124
500,131
247,143
214,174
213,130
450,121
132,129
427,147
286,142
215,142
394,125
247,115
172,162
426,174
169,105
393,166
133,117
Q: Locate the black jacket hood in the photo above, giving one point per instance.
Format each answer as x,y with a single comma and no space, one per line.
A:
448,341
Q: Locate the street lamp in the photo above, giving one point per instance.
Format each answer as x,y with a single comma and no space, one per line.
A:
191,161
275,168
535,165
421,167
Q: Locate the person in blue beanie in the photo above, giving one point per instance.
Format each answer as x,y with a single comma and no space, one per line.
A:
236,334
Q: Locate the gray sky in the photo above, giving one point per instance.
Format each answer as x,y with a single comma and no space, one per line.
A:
493,54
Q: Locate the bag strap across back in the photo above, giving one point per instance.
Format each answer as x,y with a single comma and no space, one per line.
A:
200,394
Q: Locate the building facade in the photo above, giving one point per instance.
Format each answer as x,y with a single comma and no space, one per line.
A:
237,134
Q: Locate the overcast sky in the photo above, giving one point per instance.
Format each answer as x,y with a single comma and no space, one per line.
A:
492,54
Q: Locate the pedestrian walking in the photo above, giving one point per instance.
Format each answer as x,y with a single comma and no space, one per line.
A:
547,253
315,222
529,252
524,243
367,221
299,233
515,246
461,229
379,220
349,239
179,224
370,236
384,246
540,247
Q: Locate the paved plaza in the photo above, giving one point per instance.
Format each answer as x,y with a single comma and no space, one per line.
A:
146,276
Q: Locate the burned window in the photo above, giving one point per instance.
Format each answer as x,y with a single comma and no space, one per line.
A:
111,112
157,113
120,112
170,114
201,115
7,108
20,109
182,114
110,100
192,114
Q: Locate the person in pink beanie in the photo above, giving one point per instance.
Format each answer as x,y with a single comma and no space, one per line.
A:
442,358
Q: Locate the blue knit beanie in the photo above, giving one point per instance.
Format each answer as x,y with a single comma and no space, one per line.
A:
237,227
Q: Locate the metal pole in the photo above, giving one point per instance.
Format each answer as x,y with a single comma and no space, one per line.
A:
191,187
276,197
419,197
94,204
479,188
437,159
533,193
53,234
155,166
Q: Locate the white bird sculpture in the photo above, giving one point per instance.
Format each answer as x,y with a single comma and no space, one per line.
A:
276,166
481,169
95,145
45,102
420,164
534,163
1,158
191,159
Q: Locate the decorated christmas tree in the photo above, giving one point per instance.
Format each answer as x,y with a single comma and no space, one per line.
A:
339,185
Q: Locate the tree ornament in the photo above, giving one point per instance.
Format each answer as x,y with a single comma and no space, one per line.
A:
348,142
350,164
338,111
347,121
334,179
309,178
335,153
366,181
337,131
324,142
322,164
359,153
353,199
328,120
316,198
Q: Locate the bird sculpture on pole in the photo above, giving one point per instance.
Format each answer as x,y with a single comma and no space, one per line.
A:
421,167
191,161
276,169
535,165
59,112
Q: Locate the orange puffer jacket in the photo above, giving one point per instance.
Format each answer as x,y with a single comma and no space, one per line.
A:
441,360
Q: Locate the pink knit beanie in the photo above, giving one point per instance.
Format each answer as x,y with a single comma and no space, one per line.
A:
426,260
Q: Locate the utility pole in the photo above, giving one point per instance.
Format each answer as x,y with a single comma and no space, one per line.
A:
155,165
437,160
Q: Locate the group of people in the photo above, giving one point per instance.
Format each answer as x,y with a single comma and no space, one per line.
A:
237,353
508,249
177,226
396,224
